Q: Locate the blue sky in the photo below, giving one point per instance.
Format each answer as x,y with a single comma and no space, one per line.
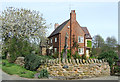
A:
99,17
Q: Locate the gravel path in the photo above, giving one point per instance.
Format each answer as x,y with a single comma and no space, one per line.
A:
5,76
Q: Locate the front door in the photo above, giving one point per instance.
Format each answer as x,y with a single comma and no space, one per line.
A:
87,53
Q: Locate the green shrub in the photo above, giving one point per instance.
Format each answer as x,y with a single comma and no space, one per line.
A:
84,57
111,56
17,47
76,55
43,74
4,52
92,57
55,55
32,61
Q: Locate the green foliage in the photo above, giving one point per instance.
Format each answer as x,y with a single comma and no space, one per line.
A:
89,43
43,74
68,54
84,57
76,55
55,55
12,69
17,47
111,56
111,41
32,61
4,53
98,41
92,57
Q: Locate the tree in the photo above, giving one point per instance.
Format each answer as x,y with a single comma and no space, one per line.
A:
23,24
111,42
98,41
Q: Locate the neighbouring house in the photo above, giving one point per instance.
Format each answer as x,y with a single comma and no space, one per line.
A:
75,33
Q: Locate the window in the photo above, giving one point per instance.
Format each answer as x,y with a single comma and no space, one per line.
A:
55,49
55,39
81,50
80,39
51,40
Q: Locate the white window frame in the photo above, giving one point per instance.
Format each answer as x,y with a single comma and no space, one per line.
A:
55,49
51,40
56,39
81,39
80,50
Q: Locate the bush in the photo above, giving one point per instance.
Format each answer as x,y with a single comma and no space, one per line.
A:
76,56
84,57
32,61
55,55
111,56
43,74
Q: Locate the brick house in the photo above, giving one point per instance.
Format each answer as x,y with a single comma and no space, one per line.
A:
75,32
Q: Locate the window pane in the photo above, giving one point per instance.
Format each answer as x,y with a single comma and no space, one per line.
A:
55,39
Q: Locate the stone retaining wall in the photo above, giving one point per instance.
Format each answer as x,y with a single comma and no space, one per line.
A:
77,69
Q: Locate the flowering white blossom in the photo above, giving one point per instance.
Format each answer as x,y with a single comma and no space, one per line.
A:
22,23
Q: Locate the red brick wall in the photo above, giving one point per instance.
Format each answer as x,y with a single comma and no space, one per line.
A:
63,34
75,29
54,44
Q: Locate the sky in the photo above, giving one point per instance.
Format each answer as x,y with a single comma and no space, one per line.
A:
99,17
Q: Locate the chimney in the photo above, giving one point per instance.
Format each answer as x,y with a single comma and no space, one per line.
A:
56,25
73,16
72,26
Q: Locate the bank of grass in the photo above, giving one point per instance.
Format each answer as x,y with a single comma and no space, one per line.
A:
12,68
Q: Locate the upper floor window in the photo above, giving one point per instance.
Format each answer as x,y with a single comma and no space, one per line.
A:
81,50
51,40
55,39
80,39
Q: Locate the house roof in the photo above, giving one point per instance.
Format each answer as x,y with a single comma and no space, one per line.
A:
87,34
59,28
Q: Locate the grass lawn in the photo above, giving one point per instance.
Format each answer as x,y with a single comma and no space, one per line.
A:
12,68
